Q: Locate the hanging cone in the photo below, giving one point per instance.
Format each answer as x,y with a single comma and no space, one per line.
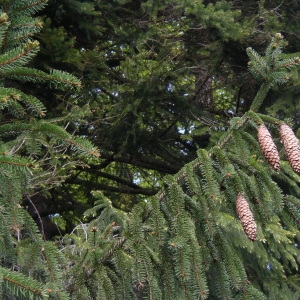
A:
246,217
291,146
268,147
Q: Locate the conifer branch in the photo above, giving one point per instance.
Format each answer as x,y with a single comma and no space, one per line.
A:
18,57
26,287
269,119
172,244
20,242
16,163
260,96
293,206
3,27
28,9
17,281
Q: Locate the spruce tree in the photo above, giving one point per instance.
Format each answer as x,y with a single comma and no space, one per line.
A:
162,79
224,227
31,268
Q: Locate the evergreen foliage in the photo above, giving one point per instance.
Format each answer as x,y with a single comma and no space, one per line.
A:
31,268
189,241
160,81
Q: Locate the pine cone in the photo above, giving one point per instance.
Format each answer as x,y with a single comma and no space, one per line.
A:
268,147
246,217
291,146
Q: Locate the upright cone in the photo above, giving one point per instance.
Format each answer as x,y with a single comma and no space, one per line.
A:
291,146
268,147
246,217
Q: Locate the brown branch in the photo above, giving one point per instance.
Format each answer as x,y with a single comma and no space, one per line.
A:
36,291
145,162
105,187
109,176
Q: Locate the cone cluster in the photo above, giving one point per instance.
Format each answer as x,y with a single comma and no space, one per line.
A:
291,146
290,143
268,147
246,217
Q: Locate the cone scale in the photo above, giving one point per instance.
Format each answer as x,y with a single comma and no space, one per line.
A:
291,146
268,147
246,217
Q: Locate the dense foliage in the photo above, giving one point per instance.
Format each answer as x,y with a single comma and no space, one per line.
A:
155,151
161,79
